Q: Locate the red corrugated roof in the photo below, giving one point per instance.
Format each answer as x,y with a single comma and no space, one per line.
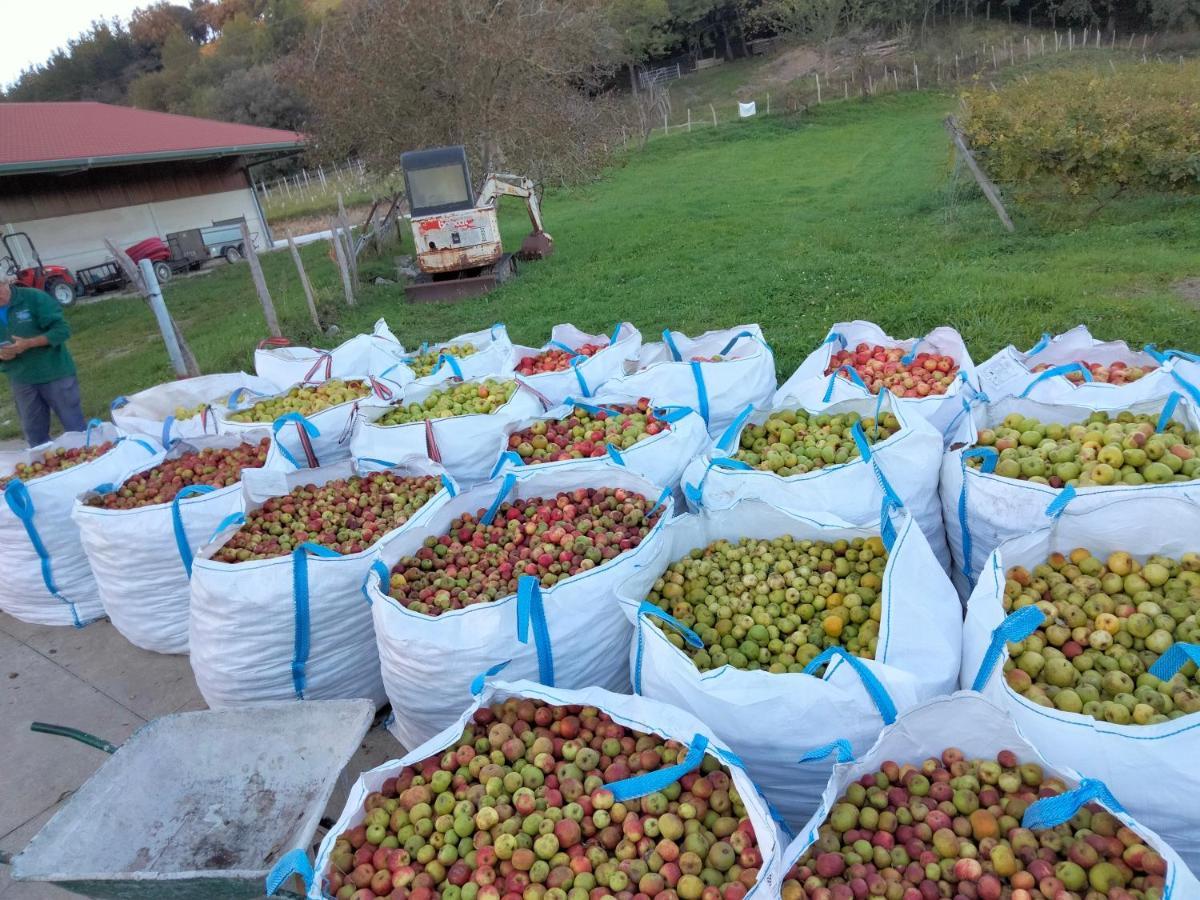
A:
97,133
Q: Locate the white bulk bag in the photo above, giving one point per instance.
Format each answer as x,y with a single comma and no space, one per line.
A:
290,627
917,654
580,637
980,729
320,439
672,373
142,558
660,459
152,411
946,412
45,576
982,510
1010,372
903,470
494,355
466,445
587,374
364,353
1151,768
637,713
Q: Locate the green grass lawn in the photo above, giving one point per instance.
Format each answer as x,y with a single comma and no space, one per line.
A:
795,223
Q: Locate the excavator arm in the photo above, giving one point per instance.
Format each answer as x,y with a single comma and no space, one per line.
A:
537,245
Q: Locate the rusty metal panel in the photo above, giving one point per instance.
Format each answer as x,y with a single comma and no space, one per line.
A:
451,242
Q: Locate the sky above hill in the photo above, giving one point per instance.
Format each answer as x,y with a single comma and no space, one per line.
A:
31,31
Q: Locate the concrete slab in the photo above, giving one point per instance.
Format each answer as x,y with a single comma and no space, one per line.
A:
40,769
148,684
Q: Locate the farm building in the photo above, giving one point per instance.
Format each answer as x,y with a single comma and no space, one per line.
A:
73,174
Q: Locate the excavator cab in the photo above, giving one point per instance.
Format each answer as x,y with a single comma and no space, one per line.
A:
437,181
451,232
457,234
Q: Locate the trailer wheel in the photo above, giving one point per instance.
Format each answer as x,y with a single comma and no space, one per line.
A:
232,254
60,291
162,271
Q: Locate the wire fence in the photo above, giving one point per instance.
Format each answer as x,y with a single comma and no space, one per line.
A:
869,76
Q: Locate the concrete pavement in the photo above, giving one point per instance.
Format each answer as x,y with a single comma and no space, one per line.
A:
95,680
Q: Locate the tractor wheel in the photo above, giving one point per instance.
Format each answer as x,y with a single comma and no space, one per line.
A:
232,254
60,291
162,271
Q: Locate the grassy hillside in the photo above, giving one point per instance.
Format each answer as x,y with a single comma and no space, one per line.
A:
793,223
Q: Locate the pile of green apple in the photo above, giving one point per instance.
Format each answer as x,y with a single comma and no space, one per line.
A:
423,364
464,399
305,399
795,441
1100,450
520,808
1107,622
774,605
951,827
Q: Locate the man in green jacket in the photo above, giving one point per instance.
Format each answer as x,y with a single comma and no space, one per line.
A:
34,356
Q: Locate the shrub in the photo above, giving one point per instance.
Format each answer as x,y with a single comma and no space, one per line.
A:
1137,127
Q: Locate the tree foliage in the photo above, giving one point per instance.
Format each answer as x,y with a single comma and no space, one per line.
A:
516,83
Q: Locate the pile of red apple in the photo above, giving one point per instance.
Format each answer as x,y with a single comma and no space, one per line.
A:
215,466
1112,373
555,359
55,461
551,538
519,808
882,368
347,515
586,433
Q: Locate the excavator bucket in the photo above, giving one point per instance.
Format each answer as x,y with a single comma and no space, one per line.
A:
538,245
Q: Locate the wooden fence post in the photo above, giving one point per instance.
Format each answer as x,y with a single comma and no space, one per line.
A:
304,283
817,76
134,276
260,283
713,109
343,267
985,183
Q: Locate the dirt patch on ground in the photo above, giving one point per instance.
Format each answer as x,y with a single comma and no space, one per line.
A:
790,65
318,222
1189,290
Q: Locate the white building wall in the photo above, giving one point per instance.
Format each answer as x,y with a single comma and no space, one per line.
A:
77,241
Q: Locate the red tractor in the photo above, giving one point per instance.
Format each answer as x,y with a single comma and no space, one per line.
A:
57,281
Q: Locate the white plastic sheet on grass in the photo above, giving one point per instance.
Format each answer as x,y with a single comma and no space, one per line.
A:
772,719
